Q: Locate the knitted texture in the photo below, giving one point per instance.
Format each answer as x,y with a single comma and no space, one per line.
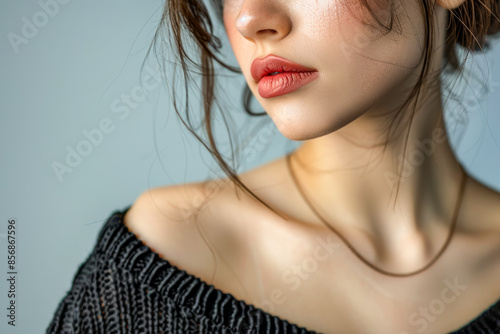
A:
125,287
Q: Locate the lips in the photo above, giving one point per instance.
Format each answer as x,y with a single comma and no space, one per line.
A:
272,64
278,76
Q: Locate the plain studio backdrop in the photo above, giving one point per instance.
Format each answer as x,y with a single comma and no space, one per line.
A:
84,132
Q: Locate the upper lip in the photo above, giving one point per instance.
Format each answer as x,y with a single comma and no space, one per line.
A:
272,63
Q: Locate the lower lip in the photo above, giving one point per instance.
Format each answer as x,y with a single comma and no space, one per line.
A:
284,83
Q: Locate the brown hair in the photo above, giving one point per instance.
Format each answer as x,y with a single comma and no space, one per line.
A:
183,21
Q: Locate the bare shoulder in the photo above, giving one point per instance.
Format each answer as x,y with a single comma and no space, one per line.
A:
172,221
204,227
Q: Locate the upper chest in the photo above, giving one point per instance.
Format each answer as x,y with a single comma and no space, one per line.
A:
315,281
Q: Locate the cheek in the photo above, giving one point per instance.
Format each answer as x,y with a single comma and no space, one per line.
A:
400,47
357,55
348,27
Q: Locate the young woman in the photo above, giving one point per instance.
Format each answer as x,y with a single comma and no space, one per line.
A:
370,226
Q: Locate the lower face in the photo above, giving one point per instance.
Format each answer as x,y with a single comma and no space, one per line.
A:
359,69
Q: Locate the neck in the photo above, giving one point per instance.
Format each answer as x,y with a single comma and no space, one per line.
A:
399,196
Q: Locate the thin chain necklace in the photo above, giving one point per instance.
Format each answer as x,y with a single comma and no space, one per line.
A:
348,244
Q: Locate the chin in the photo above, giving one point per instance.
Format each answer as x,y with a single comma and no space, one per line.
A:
300,130
298,125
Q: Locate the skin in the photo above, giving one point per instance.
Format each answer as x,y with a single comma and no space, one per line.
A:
342,166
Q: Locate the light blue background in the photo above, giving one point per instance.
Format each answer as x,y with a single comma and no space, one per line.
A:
66,80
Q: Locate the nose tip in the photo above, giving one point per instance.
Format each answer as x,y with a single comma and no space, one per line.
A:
263,22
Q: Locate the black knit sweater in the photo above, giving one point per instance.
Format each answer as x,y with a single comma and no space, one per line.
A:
124,287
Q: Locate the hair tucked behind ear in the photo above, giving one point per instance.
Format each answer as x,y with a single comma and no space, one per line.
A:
189,21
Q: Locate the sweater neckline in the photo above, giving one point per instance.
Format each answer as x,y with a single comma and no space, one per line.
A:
118,243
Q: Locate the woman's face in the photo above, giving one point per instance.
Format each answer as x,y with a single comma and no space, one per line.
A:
360,69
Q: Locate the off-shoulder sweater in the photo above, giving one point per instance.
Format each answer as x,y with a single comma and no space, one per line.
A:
125,287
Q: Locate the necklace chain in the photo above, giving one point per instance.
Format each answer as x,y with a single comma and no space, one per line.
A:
348,244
